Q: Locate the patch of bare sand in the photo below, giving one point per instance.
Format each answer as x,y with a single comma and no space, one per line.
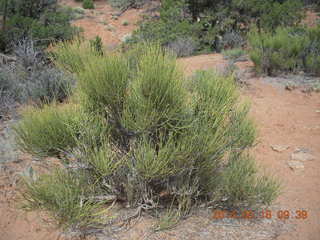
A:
100,22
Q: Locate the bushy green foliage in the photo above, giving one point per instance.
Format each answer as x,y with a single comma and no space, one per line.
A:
49,130
40,20
97,45
67,196
73,56
286,50
215,25
240,181
154,132
88,4
169,28
234,53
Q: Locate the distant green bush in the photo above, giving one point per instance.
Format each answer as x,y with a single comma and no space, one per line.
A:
42,21
88,4
234,53
169,29
125,4
214,25
97,45
286,50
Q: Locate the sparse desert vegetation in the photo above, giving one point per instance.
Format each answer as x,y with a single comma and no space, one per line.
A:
157,125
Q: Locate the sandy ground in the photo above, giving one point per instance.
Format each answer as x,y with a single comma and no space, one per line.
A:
101,22
312,18
287,118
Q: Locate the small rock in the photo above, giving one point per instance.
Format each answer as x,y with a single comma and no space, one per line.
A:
302,149
116,14
279,148
290,87
307,90
203,205
302,155
17,160
296,165
126,37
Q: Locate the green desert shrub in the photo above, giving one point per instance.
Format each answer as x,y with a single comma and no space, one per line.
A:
233,54
155,137
97,45
240,180
67,197
88,4
40,20
206,26
171,29
72,56
49,130
272,53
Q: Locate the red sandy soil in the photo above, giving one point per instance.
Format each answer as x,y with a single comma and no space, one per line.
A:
311,18
99,21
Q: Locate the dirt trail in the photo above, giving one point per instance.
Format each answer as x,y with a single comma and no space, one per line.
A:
103,21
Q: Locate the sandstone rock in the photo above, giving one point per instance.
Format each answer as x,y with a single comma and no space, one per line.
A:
279,148
302,155
126,37
296,165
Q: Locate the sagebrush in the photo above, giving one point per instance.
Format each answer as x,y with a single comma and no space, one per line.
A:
31,78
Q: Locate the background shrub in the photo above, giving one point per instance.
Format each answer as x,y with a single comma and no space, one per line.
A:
88,4
30,78
271,52
7,103
40,20
97,45
125,4
234,54
183,46
215,25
